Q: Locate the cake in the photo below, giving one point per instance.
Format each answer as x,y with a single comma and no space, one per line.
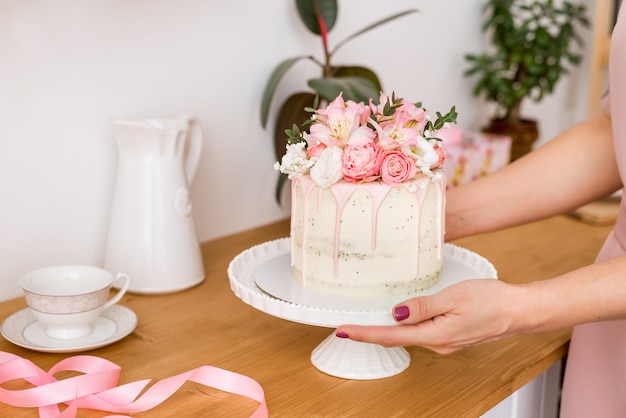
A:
368,198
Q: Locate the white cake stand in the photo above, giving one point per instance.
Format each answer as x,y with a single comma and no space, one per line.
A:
261,276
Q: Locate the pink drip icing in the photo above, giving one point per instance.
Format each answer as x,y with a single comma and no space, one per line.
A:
418,195
442,213
342,192
292,220
307,187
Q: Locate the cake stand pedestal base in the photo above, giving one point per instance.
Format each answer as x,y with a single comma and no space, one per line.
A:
342,357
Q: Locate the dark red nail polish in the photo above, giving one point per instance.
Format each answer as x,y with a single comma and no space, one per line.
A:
341,335
401,312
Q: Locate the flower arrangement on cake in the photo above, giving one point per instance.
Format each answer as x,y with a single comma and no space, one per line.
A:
390,142
368,196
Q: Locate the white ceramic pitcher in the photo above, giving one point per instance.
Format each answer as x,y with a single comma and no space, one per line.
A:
152,236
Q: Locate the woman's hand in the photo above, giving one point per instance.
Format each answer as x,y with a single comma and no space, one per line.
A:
459,316
480,310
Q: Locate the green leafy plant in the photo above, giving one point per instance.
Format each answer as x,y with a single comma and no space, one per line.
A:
355,82
534,44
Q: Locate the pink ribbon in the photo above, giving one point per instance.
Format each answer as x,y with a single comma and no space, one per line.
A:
96,388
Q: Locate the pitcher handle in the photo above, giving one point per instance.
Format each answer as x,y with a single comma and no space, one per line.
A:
194,148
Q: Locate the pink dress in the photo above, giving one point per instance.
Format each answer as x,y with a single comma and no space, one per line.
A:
595,376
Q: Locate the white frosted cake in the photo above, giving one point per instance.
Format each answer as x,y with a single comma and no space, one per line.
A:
367,239
368,199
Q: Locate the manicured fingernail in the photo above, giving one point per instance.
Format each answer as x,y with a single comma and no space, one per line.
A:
401,312
341,335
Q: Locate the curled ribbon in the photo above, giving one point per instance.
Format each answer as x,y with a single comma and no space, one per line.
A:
96,388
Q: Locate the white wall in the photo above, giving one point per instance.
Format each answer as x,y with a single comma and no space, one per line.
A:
69,66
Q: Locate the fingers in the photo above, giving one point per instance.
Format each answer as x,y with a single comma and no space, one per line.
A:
418,312
457,317
387,336
423,334
426,321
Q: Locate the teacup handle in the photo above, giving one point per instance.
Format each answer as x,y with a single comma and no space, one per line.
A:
122,290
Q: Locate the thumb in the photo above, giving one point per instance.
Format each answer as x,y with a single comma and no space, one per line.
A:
418,312
422,308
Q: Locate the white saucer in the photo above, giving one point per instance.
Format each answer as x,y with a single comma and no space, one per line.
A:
24,330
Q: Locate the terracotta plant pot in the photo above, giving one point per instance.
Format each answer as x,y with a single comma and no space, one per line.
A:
523,134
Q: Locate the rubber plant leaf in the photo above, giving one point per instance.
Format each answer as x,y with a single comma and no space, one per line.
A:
374,25
270,87
327,8
291,112
353,88
282,178
358,71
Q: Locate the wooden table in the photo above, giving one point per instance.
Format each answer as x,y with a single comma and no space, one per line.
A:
209,325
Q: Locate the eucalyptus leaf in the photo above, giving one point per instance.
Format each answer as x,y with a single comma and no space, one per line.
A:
327,8
292,112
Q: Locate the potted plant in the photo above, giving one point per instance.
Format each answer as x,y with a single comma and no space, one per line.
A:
357,83
533,46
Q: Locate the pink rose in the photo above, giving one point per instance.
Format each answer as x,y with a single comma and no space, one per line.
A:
361,162
397,167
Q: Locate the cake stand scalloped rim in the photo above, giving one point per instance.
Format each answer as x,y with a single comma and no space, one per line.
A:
241,276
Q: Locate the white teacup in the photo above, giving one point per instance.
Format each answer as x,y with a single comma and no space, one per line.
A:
67,299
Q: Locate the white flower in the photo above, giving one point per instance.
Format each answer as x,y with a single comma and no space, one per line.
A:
426,154
327,169
295,162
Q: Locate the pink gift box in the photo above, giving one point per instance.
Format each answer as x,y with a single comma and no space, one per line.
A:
470,155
